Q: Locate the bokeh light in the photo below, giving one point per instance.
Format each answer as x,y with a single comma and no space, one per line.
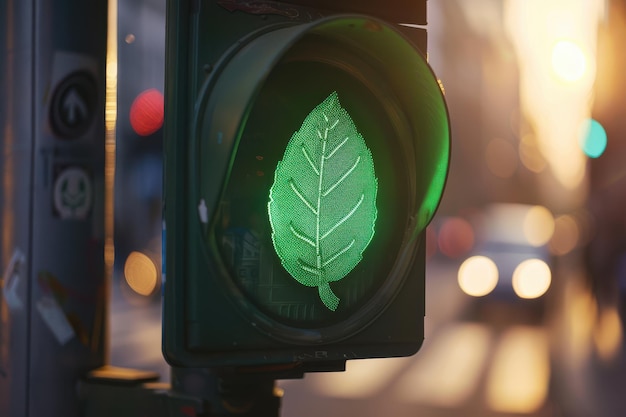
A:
140,273
446,373
519,378
569,62
566,235
538,226
608,334
555,43
478,276
146,112
530,154
456,237
531,279
593,138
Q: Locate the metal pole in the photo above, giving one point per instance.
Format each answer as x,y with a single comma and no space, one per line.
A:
53,285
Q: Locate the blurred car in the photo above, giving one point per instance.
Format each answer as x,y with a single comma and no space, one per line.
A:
508,271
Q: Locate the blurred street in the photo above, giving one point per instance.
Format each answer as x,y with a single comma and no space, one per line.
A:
466,366
526,269
481,140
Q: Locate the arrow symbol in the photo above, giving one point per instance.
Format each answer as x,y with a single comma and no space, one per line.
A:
75,107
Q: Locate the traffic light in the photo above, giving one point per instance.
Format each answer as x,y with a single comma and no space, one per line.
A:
306,152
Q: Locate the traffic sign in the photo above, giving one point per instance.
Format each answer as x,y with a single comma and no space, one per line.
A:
74,104
73,193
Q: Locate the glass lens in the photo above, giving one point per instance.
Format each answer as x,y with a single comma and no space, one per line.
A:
340,206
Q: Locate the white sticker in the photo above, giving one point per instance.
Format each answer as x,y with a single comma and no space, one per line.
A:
12,278
73,193
203,212
53,315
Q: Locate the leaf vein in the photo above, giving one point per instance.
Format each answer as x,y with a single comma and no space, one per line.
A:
301,235
344,218
308,268
299,194
310,161
338,254
343,177
343,142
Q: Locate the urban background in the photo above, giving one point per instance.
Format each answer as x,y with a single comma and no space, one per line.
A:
526,271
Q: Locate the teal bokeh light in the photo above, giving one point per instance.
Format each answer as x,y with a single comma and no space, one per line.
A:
593,139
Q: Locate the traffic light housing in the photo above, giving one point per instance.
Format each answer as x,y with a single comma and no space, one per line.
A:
306,151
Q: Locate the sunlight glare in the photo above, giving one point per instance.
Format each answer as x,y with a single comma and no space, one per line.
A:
110,121
555,43
569,62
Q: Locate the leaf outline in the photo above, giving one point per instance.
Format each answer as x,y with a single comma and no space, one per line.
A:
321,151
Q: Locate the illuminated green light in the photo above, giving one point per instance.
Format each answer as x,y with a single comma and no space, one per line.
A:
593,139
322,204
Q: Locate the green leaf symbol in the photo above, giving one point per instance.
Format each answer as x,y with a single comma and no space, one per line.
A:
322,204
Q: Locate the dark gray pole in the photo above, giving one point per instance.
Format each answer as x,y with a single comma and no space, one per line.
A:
53,285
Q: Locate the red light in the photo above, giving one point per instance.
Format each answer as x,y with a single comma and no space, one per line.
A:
456,237
146,112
